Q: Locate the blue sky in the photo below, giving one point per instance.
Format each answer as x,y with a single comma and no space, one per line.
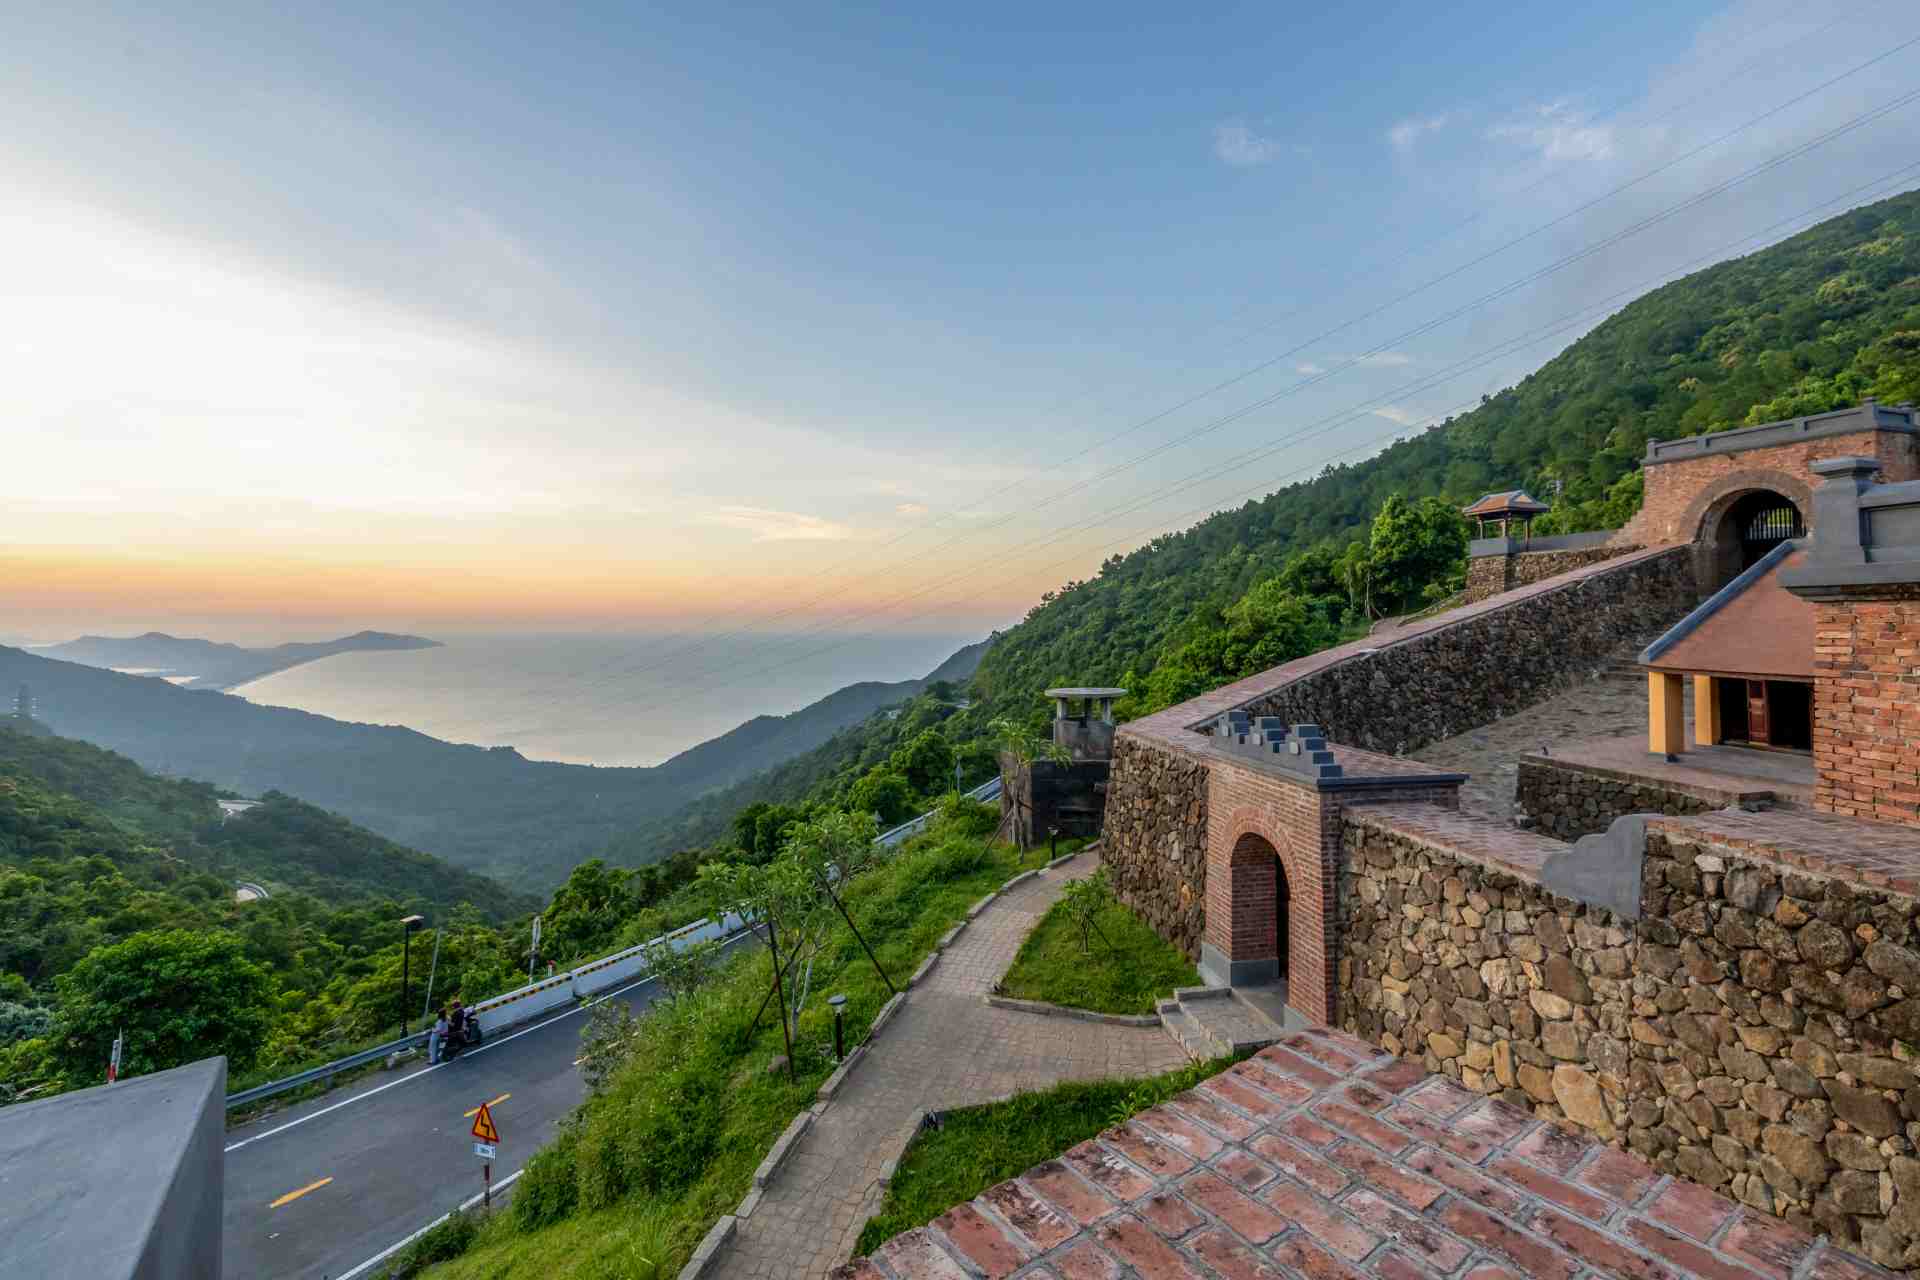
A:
483,316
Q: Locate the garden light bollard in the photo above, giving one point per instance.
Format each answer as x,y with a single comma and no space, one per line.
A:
839,1004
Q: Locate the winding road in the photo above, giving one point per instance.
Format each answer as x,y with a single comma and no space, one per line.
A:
322,1190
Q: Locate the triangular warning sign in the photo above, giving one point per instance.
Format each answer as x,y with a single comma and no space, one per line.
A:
483,1127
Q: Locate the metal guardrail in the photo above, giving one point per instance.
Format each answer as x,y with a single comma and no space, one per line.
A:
564,988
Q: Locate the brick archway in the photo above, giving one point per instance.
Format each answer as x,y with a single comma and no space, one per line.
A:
1255,863
1715,543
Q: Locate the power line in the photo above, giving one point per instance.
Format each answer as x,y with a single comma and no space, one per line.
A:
1618,237
1814,212
699,641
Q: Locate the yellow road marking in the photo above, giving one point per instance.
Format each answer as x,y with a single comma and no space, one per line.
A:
295,1195
496,1102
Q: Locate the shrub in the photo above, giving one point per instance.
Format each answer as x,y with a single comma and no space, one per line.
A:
548,1190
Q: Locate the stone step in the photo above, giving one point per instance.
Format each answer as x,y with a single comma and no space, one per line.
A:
1213,1024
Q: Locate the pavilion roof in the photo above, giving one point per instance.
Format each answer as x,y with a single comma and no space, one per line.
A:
1509,502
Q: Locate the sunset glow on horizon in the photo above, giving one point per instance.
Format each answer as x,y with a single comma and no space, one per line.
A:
484,320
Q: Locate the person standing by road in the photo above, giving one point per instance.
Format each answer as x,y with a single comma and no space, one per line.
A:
437,1039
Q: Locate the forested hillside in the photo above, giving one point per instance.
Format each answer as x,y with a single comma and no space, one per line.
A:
1813,323
280,843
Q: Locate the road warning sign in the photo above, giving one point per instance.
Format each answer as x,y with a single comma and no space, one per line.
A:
483,1126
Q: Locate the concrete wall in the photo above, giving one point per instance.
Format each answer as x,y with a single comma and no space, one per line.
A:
124,1180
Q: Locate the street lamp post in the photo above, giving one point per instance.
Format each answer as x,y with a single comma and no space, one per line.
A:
407,925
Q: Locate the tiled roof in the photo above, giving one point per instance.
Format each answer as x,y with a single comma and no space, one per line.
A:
1324,1157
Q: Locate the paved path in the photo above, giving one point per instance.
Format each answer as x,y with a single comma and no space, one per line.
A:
945,1048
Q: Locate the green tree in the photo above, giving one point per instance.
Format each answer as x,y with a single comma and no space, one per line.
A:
1415,550
927,762
179,996
883,792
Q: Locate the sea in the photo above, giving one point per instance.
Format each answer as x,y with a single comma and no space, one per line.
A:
595,699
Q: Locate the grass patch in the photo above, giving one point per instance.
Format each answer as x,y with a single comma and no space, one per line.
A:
978,1147
670,1143
1125,970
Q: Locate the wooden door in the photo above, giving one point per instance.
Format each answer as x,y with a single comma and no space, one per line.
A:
1757,730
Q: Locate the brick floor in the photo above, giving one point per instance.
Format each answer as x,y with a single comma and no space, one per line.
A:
946,1047
1328,1167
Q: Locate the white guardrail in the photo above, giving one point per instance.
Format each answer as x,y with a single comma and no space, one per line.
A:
512,1008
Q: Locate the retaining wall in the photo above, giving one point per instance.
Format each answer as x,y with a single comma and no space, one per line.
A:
1567,803
1753,1030
1490,575
1155,841
1489,662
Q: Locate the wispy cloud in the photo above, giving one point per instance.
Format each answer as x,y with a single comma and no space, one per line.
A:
910,509
1405,133
779,526
1386,360
1395,414
1308,367
1236,143
1557,131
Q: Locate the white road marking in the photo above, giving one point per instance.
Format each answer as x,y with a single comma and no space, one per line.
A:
466,1204
491,1044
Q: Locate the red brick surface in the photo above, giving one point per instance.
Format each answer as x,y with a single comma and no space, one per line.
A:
1372,1198
1866,709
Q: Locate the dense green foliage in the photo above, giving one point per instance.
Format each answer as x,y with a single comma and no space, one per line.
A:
688,1107
1813,323
117,911
978,1147
177,995
489,810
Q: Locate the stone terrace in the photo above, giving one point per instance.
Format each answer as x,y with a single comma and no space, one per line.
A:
1324,1157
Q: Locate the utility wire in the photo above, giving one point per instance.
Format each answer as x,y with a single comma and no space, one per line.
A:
1235,464
698,640
1215,424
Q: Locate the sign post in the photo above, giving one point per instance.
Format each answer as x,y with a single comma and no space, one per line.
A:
487,1134
113,1062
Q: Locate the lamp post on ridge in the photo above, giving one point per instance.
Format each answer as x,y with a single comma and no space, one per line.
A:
407,926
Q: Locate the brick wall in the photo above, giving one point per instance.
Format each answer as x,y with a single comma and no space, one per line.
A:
1258,816
1866,707
1679,495
1753,1031
1490,575
1568,803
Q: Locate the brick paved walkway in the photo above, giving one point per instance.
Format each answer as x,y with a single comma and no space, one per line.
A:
945,1048
1323,1157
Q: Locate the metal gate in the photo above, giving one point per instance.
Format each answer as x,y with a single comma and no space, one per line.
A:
1768,527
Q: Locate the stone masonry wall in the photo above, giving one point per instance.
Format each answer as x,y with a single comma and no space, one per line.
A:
1490,575
1866,708
1436,685
1155,840
1754,1031
1484,976
1775,1018
1569,803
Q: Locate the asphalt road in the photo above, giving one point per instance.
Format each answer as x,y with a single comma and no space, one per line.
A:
316,1190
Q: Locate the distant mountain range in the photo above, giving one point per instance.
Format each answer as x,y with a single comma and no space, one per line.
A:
206,664
490,810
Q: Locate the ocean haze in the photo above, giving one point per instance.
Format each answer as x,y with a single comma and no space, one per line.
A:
594,699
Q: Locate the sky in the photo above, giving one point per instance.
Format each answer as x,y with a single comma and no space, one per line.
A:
817,319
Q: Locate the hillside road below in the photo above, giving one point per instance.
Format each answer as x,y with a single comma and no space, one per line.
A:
315,1191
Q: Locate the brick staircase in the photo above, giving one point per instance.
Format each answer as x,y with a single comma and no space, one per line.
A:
1212,1022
